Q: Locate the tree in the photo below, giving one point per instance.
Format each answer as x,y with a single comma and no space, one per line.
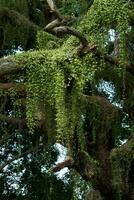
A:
62,88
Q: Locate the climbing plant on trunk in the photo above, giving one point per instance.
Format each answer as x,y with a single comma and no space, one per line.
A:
60,88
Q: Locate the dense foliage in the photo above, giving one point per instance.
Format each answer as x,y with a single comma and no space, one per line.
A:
82,100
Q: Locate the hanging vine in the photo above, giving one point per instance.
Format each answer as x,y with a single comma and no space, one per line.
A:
57,77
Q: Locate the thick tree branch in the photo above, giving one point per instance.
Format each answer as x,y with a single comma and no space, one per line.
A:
17,87
59,26
125,149
54,9
21,123
15,122
66,163
7,86
16,19
85,166
103,102
51,4
3,103
108,58
7,66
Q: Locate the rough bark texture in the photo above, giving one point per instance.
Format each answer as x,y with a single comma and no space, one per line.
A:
7,66
101,145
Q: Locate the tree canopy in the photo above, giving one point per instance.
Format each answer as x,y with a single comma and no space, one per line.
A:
67,77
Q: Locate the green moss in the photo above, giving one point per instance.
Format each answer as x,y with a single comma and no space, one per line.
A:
47,82
57,77
17,29
121,160
47,41
87,166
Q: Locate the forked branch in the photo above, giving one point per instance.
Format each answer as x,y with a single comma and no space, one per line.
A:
54,9
60,28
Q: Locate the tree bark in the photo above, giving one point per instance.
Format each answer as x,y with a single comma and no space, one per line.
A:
7,67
